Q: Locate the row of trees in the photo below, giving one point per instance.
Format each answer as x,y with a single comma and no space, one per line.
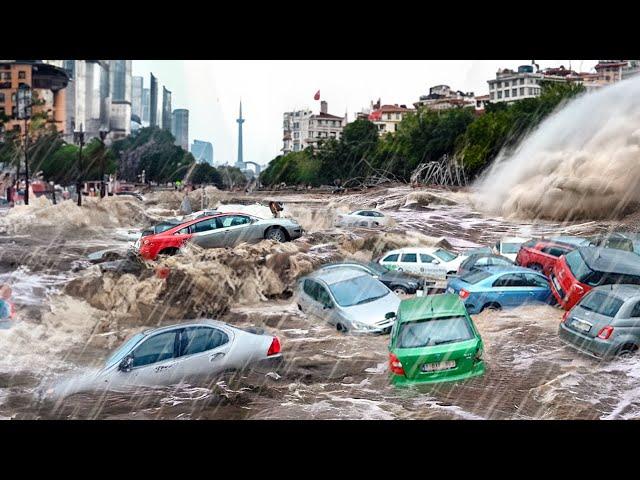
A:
426,136
151,150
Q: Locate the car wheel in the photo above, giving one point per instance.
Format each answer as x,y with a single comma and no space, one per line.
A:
492,306
276,234
399,290
341,328
626,351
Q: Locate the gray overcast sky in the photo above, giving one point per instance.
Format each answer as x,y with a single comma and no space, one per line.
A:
212,89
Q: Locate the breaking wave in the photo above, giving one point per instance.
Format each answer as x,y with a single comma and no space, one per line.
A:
583,162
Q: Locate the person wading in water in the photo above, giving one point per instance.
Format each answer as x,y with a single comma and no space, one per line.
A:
276,208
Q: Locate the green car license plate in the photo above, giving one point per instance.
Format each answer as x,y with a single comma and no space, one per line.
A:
438,366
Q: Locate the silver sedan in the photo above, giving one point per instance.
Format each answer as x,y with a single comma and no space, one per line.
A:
189,352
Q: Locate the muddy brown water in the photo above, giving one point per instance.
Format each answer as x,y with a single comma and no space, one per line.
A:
325,374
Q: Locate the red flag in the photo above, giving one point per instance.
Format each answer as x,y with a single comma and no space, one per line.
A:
317,95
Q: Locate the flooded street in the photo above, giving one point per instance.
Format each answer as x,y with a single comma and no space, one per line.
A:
71,316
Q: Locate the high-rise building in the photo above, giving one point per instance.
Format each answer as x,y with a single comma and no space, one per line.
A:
180,127
145,107
137,84
166,109
88,99
202,151
153,102
120,75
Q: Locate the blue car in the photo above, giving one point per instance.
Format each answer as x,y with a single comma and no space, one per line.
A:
497,287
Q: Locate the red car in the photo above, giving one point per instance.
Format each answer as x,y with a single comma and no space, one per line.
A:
214,231
586,267
542,255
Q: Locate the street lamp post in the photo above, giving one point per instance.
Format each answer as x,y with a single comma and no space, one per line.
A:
25,102
103,135
79,137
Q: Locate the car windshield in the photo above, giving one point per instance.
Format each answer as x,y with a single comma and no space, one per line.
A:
445,255
511,247
475,277
602,303
357,291
578,267
432,332
120,353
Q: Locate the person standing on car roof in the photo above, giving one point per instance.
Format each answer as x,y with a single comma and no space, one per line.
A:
276,208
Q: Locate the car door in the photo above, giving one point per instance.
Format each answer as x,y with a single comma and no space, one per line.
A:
237,229
430,267
203,352
326,307
408,262
390,262
208,233
538,285
154,361
510,289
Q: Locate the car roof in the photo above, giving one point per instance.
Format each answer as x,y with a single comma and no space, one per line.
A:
190,323
337,275
413,249
475,256
186,223
505,269
611,260
551,242
514,240
622,291
431,306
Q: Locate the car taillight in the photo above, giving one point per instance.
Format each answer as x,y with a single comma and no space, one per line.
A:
274,349
395,365
606,332
463,294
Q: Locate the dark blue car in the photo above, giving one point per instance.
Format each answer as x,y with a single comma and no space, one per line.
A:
498,287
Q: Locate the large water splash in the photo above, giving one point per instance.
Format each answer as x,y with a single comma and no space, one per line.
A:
583,162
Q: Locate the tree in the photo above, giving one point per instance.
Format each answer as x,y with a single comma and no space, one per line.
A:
232,176
203,173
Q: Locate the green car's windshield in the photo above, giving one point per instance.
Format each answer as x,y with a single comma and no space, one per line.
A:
432,332
445,255
358,290
601,303
120,353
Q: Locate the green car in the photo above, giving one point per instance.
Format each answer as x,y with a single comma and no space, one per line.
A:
434,340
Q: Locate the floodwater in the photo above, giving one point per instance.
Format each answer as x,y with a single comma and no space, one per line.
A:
70,316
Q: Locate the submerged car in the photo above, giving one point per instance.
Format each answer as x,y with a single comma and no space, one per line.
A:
350,300
427,261
400,283
586,267
498,287
482,260
509,247
216,231
189,352
615,240
605,323
542,255
362,218
434,340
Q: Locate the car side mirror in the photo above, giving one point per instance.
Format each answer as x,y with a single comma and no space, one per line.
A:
126,364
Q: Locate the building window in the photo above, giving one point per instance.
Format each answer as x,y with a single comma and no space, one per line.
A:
22,75
493,96
499,85
521,90
1,110
499,94
514,92
7,75
522,81
397,116
506,93
1,97
529,91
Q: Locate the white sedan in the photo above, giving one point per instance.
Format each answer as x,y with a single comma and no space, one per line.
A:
363,218
187,352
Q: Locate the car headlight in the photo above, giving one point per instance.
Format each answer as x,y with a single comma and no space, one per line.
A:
361,325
